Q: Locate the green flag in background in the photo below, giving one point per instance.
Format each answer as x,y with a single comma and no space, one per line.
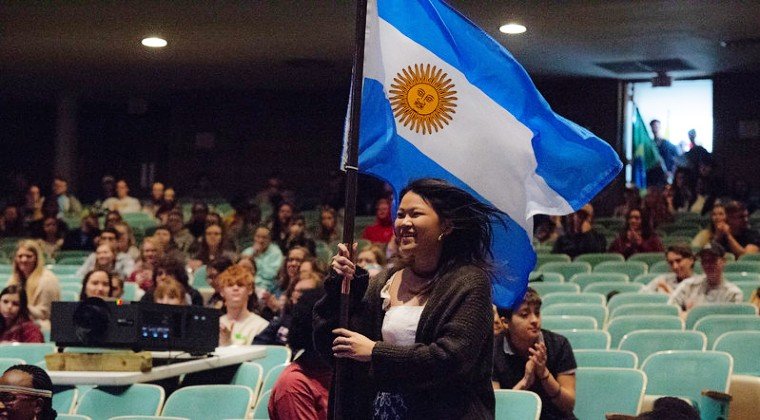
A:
646,157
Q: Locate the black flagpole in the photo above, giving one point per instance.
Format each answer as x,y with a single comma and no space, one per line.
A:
352,169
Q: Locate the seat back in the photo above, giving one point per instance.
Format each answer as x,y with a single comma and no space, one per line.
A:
31,353
586,339
109,401
646,278
599,391
567,269
272,376
276,355
72,417
64,399
716,325
262,406
199,278
645,309
210,402
569,297
65,268
542,259
517,405
646,342
742,266
750,257
541,277
606,287
544,289
598,312
627,298
585,279
606,358
698,312
659,267
249,374
747,287
568,322
625,324
743,346
686,373
6,362
631,268
649,258
597,258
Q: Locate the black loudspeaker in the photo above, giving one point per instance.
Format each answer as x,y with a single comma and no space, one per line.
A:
136,325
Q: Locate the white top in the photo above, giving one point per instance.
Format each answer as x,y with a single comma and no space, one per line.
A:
400,322
696,291
244,330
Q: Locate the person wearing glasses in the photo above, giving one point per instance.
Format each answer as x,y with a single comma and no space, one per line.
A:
26,392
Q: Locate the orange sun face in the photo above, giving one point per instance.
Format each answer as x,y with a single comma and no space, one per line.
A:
423,98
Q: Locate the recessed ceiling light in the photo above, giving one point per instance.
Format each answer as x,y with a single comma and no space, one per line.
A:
512,28
154,42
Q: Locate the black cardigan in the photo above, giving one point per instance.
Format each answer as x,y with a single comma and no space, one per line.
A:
445,375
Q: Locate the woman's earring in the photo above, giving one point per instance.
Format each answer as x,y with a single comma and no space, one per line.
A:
440,237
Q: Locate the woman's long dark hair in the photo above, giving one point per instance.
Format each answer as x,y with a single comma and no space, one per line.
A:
471,236
23,310
83,293
646,223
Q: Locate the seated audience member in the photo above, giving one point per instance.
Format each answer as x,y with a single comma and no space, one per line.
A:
117,286
39,283
170,292
301,391
382,230
126,241
27,393
169,204
181,235
112,217
527,357
298,236
12,225
268,258
546,229
681,262
242,223
18,326
36,228
238,325
631,200
707,235
658,204
735,235
278,330
142,275
122,203
710,287
108,189
371,258
328,231
96,283
164,239
580,236
68,205
197,223
280,223
173,265
123,264
210,247
212,274
84,237
156,200
33,202
498,322
52,237
637,236
754,298
288,274
682,192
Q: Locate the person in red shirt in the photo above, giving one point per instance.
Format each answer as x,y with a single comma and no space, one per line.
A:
301,392
382,230
18,327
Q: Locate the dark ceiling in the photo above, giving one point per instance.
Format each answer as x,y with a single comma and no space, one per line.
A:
93,47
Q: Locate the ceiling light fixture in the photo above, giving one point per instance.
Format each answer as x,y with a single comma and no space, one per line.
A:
154,42
512,28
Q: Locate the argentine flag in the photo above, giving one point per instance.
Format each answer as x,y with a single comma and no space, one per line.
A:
443,99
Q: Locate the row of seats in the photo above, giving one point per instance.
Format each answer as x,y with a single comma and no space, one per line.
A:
560,263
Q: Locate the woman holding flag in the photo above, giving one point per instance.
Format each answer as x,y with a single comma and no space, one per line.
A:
419,341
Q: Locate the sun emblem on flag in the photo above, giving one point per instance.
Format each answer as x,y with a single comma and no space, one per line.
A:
423,98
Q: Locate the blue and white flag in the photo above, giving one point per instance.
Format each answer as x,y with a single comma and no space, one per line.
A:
443,99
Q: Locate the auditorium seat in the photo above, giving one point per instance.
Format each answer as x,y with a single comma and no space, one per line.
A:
261,412
568,322
605,358
627,298
517,405
568,297
6,362
210,402
31,353
599,257
625,324
698,312
742,266
542,259
567,269
599,391
598,312
606,287
541,277
109,401
750,257
65,399
272,376
744,346
644,309
60,269
648,257
544,289
586,339
631,268
249,374
276,355
585,279
647,342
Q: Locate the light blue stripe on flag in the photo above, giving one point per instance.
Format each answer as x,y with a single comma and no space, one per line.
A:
465,111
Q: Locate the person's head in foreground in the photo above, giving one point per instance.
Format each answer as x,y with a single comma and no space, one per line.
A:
235,286
523,323
170,292
680,260
440,227
26,393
